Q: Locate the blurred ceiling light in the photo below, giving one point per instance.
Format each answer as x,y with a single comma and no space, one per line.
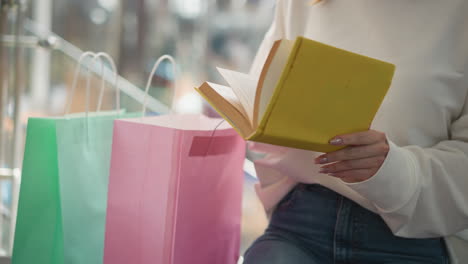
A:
109,5
189,103
98,16
190,9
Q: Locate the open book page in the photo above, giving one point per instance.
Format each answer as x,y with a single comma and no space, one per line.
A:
272,74
226,103
244,86
228,94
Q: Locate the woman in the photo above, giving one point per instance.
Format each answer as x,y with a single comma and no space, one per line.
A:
399,192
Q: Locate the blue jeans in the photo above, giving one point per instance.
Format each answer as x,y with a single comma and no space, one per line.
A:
313,225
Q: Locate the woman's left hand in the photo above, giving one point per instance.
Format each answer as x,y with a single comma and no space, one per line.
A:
360,160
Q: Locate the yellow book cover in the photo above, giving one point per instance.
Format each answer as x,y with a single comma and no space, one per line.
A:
308,92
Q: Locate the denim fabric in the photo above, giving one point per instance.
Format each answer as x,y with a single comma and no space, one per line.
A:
313,224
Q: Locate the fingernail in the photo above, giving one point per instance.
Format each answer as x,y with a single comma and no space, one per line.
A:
323,160
323,170
336,141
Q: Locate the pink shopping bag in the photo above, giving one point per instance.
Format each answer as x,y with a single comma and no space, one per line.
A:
175,191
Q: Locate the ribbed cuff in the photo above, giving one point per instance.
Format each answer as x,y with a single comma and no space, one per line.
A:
394,183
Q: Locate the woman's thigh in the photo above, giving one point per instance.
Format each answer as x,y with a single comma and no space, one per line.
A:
317,223
270,249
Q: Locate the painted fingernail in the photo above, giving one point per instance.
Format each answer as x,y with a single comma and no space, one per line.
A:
323,160
336,141
323,170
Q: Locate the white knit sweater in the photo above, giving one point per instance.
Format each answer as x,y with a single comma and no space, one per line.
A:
422,188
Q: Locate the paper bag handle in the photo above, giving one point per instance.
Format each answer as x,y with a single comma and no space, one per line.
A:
150,78
103,83
94,56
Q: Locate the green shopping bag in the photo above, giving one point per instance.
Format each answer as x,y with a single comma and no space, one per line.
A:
84,151
39,233
63,195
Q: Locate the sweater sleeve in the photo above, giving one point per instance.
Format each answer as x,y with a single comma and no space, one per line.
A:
422,192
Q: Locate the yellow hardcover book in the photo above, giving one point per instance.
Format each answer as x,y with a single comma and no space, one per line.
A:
308,92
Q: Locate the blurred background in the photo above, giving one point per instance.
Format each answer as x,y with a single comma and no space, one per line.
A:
41,40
